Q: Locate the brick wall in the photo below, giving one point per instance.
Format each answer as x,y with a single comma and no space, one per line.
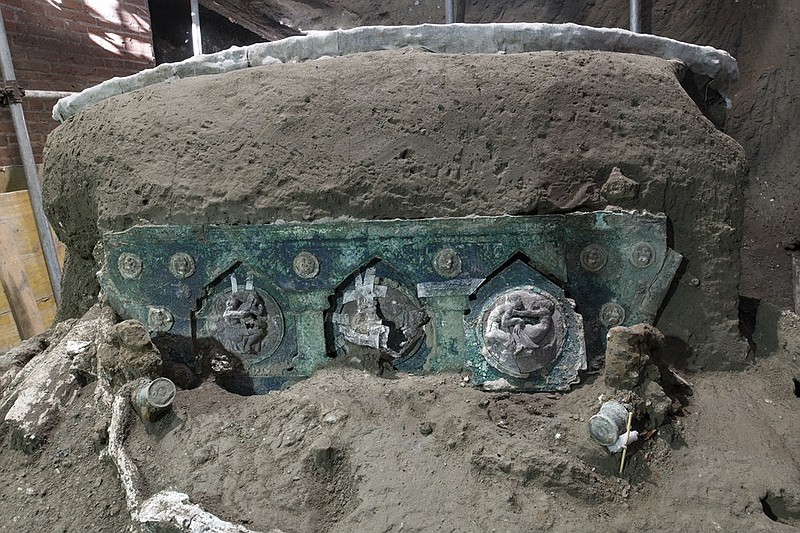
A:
69,45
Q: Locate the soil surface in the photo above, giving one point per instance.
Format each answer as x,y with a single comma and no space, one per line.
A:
431,454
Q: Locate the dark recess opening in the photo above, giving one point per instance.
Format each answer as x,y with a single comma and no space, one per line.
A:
768,510
171,21
796,387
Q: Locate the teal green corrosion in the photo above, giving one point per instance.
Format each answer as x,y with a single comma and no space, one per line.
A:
522,302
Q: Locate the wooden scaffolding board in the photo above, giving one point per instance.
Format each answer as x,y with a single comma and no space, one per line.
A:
16,213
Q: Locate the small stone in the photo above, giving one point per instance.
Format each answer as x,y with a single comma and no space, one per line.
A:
502,424
334,416
619,188
484,403
425,428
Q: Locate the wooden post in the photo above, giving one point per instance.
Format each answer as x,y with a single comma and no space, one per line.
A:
18,291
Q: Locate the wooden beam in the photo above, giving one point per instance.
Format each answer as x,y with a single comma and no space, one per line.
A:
15,284
258,17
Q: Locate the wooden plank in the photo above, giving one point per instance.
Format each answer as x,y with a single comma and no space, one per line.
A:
9,337
15,284
15,209
12,178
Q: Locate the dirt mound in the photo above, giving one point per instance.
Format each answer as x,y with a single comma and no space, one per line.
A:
346,451
430,135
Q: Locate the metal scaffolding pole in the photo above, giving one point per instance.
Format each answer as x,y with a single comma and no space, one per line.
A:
197,41
454,11
635,11
29,165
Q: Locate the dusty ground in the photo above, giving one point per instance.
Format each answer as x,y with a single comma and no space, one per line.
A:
491,462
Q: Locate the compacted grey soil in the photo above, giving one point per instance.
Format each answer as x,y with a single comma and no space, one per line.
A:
431,454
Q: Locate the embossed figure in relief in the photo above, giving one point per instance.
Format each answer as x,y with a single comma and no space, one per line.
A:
378,313
130,265
244,322
523,332
447,263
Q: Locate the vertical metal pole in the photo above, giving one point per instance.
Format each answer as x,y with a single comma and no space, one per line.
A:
197,42
635,11
29,165
450,11
454,11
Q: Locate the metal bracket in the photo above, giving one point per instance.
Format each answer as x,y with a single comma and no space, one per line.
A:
11,94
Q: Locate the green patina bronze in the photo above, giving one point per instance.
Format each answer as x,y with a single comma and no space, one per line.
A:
520,301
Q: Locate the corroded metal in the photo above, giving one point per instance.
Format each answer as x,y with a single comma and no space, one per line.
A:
523,333
447,262
606,426
271,303
159,319
305,265
612,314
642,255
380,314
130,265
154,398
594,258
182,265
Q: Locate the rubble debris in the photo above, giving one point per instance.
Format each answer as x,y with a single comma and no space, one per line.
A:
628,353
31,402
12,361
130,354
